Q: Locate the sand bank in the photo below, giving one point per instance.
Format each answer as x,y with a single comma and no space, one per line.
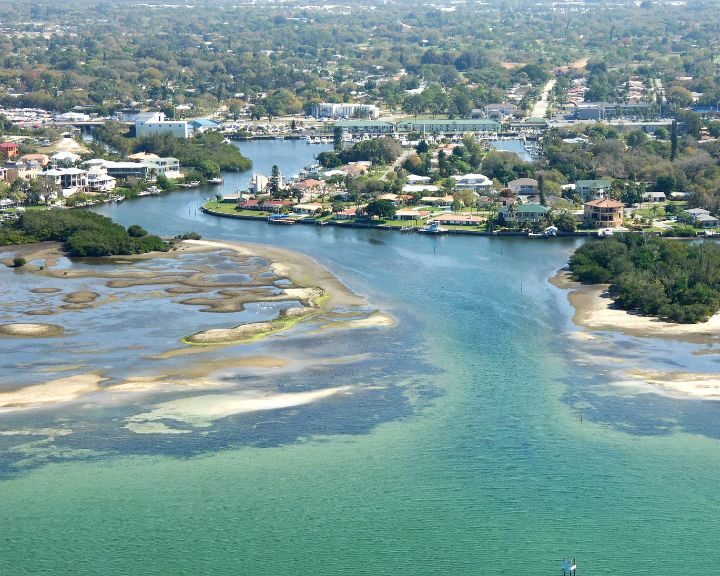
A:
52,392
680,384
25,330
202,411
595,310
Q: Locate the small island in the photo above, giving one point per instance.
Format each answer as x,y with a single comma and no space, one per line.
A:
672,281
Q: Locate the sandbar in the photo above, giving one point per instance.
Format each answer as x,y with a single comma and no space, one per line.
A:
52,392
202,411
28,330
681,384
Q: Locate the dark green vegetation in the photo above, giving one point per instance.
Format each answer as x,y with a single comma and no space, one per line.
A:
84,233
676,281
207,153
382,150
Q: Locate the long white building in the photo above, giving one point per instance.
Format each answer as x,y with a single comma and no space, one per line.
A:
151,123
345,111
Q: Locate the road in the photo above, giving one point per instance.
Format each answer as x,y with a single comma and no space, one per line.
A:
541,106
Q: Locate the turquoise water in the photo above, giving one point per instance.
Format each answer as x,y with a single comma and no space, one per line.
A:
469,458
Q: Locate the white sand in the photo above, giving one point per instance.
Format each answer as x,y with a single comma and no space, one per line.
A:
202,411
52,392
681,384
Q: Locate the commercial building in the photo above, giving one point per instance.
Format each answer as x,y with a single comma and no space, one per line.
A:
151,123
328,110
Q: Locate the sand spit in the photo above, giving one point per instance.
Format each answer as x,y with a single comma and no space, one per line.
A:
231,335
304,271
595,310
45,290
52,392
202,411
20,330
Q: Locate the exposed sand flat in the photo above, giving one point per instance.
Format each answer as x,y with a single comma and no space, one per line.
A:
684,384
21,330
229,335
45,290
82,297
202,411
374,320
302,270
52,392
595,310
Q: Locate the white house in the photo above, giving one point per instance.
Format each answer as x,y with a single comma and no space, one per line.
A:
98,179
69,180
258,183
524,186
151,123
654,197
474,182
64,158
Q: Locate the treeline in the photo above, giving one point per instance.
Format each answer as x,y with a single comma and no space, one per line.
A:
207,153
83,233
672,280
382,150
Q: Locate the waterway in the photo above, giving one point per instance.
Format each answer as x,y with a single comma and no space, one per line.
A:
496,440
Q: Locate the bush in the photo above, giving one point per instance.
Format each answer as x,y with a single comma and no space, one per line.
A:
189,236
136,231
19,262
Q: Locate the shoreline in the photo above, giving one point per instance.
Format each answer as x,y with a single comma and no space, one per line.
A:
595,310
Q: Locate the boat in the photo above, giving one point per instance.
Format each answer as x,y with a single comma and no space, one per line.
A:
280,219
536,235
432,228
218,180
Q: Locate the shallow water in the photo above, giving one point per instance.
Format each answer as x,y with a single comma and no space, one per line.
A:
462,450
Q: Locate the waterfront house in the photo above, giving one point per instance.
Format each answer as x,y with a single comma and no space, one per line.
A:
308,209
9,150
706,221
523,213
346,214
524,186
695,212
474,182
98,179
121,170
592,189
603,213
68,180
459,219
409,214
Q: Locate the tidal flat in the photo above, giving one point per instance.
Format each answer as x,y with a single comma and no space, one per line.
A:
170,344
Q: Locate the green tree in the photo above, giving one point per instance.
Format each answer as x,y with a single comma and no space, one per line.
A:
383,209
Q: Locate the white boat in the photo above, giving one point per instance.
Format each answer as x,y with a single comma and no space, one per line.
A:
432,228
218,180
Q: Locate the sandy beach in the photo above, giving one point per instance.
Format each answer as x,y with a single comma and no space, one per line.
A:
595,310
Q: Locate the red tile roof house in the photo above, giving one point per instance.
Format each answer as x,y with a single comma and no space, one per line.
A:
346,214
9,149
459,219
